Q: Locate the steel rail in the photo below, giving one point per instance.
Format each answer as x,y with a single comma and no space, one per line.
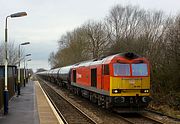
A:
152,119
56,108
161,114
70,104
133,120
127,120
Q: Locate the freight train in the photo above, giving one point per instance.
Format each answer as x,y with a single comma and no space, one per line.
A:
120,80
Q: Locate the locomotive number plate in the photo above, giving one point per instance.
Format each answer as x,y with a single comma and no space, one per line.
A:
132,82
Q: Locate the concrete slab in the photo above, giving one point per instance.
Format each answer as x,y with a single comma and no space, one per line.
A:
22,109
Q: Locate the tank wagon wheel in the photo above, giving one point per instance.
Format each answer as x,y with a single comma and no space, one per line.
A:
90,96
99,101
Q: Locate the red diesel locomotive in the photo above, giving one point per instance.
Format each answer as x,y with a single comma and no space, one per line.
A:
121,80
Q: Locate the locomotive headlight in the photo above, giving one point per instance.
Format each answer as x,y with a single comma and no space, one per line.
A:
144,91
116,91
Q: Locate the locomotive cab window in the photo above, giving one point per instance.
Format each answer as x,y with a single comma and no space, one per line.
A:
139,69
106,69
121,69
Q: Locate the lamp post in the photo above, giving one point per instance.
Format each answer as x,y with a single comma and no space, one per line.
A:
25,69
6,93
19,64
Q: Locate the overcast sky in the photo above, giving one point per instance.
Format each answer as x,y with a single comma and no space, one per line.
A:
47,20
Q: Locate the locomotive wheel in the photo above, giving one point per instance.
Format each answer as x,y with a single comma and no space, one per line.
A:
99,102
108,103
90,97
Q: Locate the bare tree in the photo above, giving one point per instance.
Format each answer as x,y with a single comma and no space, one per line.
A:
97,38
12,54
52,60
72,48
124,26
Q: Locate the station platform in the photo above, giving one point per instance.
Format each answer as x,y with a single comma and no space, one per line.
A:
31,107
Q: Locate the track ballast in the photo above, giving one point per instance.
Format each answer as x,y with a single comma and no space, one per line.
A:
69,113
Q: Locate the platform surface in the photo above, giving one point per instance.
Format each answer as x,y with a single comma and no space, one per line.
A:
47,113
22,109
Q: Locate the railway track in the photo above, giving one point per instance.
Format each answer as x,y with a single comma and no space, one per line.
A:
161,114
136,118
69,113
96,114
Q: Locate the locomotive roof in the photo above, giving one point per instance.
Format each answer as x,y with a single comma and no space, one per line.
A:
102,60
107,59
